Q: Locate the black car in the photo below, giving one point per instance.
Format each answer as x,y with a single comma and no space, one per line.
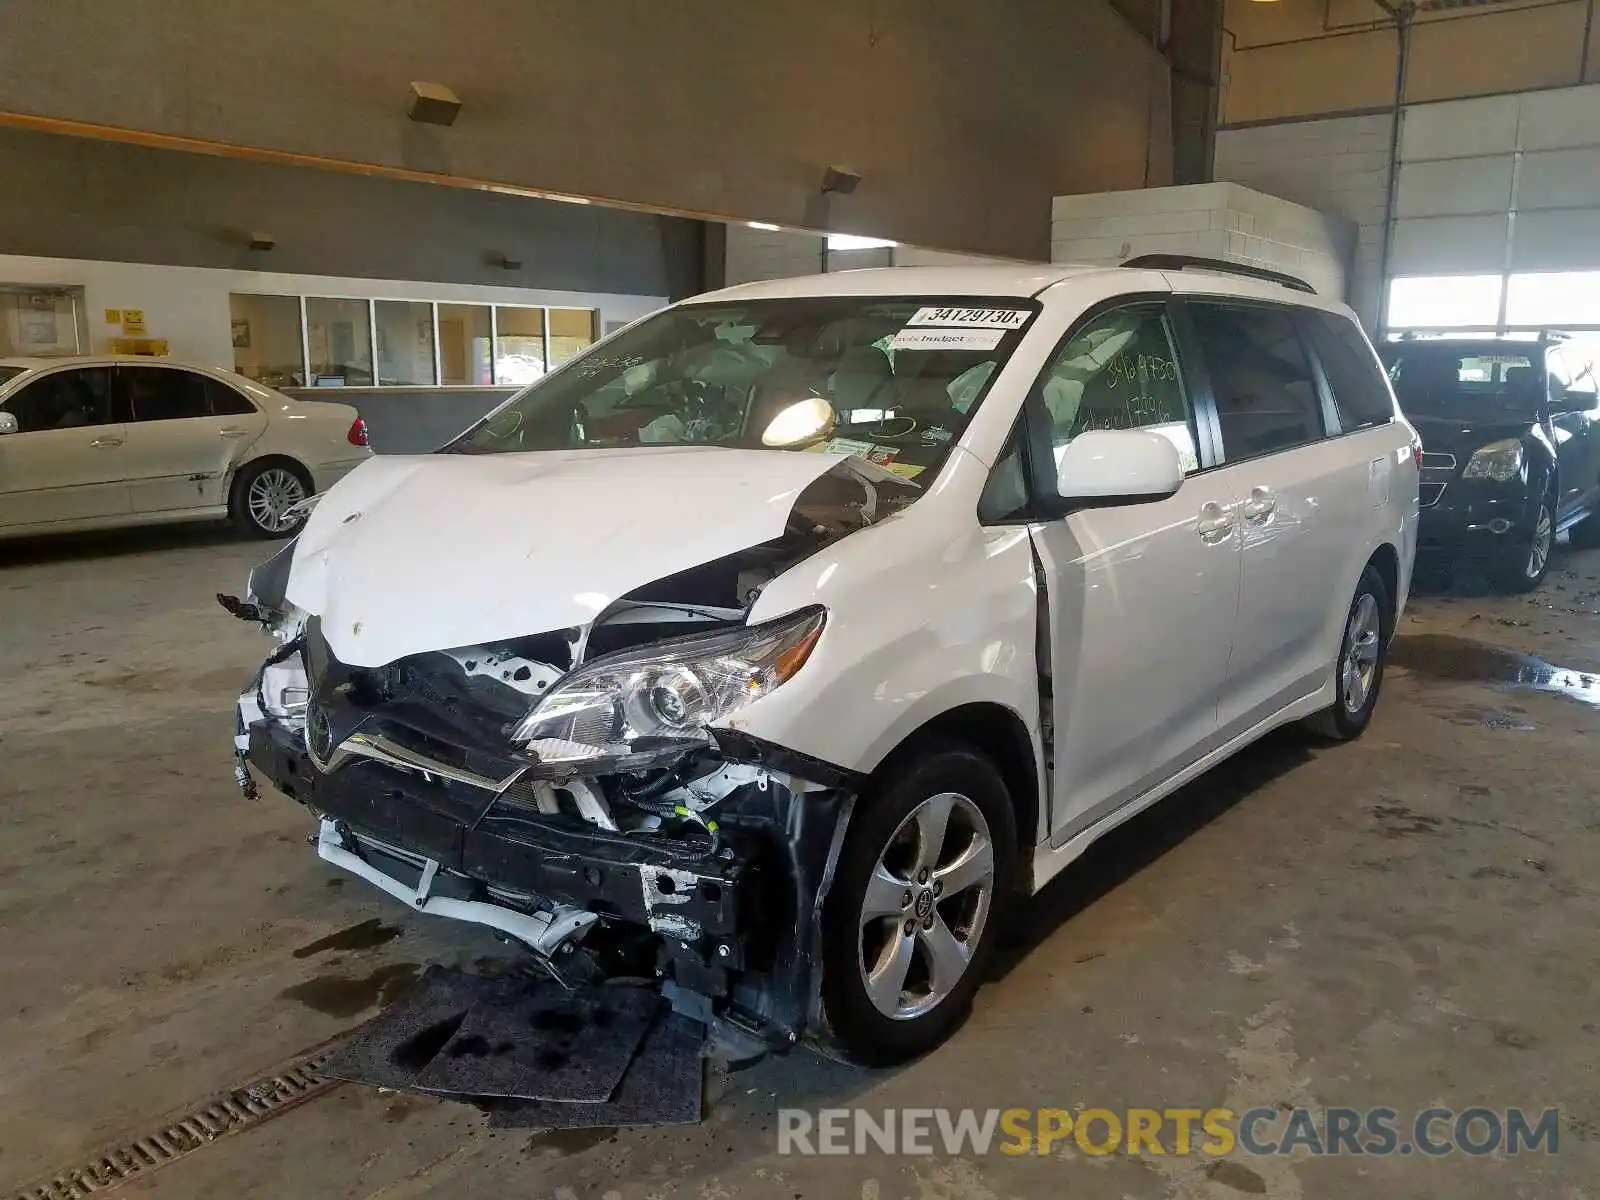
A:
1511,448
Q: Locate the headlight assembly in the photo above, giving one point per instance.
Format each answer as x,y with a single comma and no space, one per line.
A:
637,708
1499,461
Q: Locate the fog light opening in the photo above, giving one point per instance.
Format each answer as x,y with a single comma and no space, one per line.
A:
1499,525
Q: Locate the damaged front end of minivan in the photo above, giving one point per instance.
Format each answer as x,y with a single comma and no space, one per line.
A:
586,791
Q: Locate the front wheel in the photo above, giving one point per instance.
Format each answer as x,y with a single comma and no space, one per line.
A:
908,925
1525,566
262,503
1358,673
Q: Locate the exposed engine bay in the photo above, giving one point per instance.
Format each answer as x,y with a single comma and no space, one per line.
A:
569,789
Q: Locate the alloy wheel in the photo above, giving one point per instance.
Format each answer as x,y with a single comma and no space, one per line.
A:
272,495
1543,538
925,906
1359,663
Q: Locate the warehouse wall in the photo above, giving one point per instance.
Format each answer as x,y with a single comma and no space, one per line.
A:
1312,57
69,197
962,121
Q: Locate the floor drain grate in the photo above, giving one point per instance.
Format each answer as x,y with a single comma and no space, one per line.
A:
294,1083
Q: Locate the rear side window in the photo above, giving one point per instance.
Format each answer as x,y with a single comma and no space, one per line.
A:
1266,398
224,401
1360,394
164,394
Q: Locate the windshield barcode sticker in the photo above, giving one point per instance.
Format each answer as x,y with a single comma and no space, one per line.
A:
947,339
972,318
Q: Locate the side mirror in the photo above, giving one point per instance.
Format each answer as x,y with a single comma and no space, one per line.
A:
1117,466
8,422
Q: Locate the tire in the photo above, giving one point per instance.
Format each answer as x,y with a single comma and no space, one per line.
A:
1358,671
1523,569
260,493
883,866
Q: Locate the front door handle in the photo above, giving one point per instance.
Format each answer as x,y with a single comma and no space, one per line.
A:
1214,524
106,441
1260,506
232,431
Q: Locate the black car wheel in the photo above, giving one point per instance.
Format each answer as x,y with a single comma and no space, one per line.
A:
1524,567
1358,671
928,863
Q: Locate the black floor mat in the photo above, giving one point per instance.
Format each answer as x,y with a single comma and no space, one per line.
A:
541,1042
464,1035
389,1050
663,1086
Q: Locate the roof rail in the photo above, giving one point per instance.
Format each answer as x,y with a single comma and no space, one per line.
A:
1183,262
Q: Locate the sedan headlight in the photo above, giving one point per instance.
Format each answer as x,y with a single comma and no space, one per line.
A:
637,708
1499,461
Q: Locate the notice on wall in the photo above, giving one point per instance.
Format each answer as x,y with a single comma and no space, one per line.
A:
113,316
132,321
971,318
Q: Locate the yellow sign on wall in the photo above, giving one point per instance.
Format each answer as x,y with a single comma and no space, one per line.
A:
113,316
132,321
153,347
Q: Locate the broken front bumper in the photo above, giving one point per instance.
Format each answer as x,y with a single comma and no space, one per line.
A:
736,920
401,820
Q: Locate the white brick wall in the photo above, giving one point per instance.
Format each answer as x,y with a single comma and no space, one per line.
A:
1337,165
755,254
1217,220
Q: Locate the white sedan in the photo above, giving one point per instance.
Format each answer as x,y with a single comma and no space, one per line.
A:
94,442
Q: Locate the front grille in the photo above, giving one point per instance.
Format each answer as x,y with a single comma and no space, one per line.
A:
1438,469
425,704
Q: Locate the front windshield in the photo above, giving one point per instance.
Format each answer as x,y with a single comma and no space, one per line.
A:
1453,381
894,380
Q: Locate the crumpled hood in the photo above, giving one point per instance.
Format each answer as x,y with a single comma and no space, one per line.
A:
411,553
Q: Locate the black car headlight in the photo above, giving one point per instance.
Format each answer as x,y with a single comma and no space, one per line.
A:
638,708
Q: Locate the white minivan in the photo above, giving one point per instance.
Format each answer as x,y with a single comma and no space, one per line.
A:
780,641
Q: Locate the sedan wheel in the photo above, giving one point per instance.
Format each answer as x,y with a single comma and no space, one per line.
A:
265,499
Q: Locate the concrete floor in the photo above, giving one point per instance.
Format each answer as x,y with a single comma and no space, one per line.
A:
1407,921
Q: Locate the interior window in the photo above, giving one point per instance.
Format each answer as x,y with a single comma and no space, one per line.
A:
1359,392
63,400
223,401
163,394
1120,372
1266,399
